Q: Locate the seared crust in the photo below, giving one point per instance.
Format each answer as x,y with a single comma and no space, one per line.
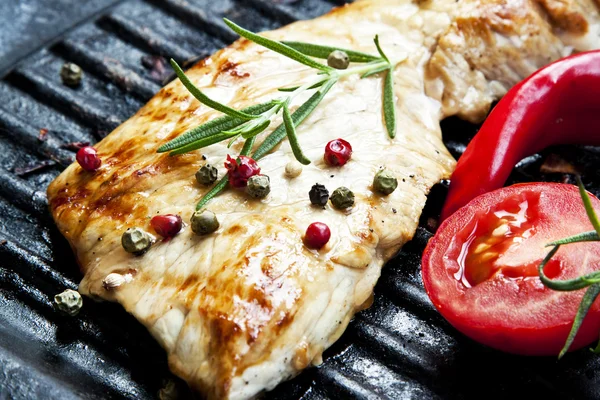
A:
242,309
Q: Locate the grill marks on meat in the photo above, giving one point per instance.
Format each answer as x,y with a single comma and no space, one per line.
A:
242,309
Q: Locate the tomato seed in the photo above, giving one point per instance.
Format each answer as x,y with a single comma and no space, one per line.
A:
481,247
487,256
501,230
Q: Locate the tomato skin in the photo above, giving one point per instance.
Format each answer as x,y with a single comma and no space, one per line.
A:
517,315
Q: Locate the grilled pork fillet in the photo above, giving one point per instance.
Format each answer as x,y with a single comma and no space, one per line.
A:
242,309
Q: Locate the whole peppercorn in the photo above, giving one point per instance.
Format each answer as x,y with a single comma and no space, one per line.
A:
317,235
136,241
207,175
385,182
293,169
87,158
167,225
71,74
240,170
258,186
69,302
338,59
204,222
337,152
113,281
342,198
319,195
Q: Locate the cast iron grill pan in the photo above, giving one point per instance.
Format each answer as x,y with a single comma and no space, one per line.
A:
400,348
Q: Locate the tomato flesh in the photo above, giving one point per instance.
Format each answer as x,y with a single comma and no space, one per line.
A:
477,246
480,269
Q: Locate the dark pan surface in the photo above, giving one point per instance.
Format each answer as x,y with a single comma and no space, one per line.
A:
399,348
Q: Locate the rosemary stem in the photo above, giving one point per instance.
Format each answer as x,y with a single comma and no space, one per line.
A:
305,87
361,69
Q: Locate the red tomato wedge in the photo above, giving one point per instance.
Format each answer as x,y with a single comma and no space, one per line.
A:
480,269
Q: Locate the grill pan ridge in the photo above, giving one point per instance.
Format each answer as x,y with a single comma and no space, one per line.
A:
400,348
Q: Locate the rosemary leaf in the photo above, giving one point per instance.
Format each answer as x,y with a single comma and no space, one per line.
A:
204,99
389,104
291,134
545,280
256,130
291,89
277,47
218,188
586,302
318,51
379,50
572,284
590,236
589,209
568,284
248,146
235,137
198,144
375,71
297,117
213,127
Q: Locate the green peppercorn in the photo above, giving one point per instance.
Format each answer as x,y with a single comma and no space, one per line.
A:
207,175
69,302
319,195
204,222
338,59
258,186
342,198
71,74
385,182
136,241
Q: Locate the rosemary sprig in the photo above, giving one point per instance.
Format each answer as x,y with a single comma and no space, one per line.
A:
590,281
297,117
389,106
318,51
376,70
202,98
587,203
212,193
291,134
251,121
379,50
211,128
277,47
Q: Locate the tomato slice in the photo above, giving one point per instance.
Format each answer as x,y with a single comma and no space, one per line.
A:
480,269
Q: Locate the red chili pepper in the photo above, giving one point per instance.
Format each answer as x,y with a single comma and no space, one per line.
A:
558,104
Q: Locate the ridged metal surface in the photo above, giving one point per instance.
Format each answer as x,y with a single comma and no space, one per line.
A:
399,348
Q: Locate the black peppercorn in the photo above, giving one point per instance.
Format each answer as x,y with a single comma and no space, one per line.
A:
319,195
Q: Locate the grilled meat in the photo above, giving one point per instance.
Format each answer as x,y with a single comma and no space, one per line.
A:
242,309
